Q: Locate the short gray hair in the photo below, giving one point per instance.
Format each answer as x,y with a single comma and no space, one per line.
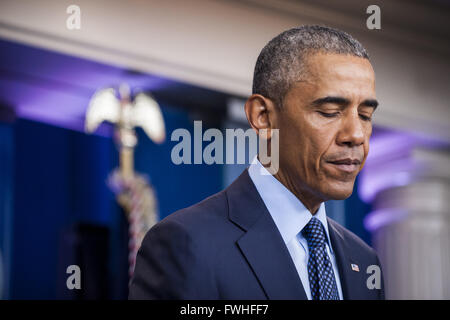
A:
282,61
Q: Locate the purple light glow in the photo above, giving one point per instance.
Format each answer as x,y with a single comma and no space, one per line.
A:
54,88
390,163
393,174
379,218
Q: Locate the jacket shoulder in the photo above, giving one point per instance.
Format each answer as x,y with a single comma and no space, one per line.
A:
209,210
177,256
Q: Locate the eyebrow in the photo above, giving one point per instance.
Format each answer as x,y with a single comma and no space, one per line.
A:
330,99
343,101
370,103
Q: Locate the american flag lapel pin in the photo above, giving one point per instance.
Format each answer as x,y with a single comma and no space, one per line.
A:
355,267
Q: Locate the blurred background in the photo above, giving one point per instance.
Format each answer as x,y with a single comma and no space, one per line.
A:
196,58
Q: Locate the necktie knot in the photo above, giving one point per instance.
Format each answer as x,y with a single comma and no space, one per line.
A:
314,233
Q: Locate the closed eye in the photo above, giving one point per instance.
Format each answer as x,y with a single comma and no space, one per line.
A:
328,115
365,118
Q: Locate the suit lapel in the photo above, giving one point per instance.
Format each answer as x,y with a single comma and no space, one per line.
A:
262,244
350,279
270,260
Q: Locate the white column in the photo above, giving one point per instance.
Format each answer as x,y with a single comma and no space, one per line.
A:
410,221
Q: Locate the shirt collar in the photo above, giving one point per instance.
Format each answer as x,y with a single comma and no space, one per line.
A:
287,211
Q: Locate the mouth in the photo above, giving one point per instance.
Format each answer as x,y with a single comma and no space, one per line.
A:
347,165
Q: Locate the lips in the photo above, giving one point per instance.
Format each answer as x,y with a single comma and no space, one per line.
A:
348,165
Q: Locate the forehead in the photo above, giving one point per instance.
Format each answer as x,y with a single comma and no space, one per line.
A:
341,73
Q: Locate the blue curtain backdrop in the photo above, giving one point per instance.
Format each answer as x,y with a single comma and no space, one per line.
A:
59,180
6,204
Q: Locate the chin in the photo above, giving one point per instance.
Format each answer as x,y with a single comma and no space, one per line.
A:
339,191
341,195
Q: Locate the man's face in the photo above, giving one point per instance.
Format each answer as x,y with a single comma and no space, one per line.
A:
325,126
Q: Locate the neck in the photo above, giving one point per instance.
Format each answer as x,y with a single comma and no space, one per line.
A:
308,198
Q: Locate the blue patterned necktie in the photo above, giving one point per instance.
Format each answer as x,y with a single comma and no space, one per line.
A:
320,271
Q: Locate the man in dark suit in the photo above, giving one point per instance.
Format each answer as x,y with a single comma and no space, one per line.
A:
267,235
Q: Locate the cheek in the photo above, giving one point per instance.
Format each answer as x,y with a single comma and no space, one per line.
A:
304,140
315,143
320,138
294,145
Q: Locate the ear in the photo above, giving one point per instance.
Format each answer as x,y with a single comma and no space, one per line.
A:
261,113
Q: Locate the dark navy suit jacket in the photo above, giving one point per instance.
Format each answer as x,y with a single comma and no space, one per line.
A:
228,247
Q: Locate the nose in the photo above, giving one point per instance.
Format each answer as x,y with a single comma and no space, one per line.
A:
351,133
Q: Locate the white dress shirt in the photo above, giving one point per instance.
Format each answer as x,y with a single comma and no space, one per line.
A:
290,217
